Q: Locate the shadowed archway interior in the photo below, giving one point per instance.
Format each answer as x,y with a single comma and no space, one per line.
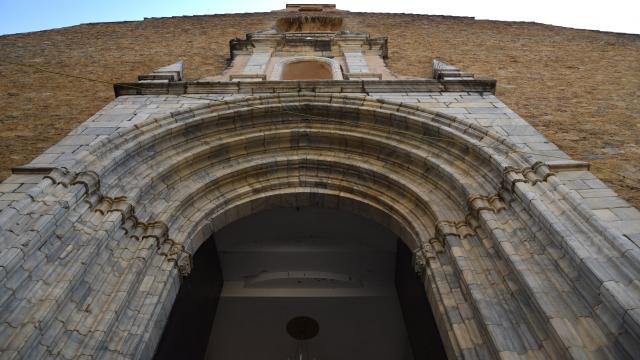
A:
349,274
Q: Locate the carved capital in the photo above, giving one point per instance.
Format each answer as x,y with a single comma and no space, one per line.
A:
542,170
62,176
175,253
138,231
419,263
479,202
90,180
129,223
444,228
538,172
184,263
510,177
423,255
157,230
164,249
456,228
121,205
104,205
428,251
437,244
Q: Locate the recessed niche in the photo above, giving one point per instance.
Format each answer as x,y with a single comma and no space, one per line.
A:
307,70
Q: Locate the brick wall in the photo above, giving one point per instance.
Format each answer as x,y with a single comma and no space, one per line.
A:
578,87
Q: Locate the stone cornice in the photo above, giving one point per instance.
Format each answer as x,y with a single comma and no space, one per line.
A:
318,86
462,229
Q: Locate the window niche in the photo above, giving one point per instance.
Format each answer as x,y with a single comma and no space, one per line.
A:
307,68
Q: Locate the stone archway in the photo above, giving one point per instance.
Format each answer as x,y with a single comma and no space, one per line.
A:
487,225
301,257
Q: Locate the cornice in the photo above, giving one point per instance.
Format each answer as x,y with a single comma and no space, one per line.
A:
290,86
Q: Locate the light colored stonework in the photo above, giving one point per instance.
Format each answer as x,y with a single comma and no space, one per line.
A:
523,252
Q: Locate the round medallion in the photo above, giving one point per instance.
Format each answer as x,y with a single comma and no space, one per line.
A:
302,328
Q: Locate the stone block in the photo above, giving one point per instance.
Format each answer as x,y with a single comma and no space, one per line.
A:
450,111
542,146
78,140
606,202
99,130
597,193
596,184
12,196
627,226
567,332
618,295
505,338
472,105
8,187
606,214
626,213
527,139
519,130
489,110
110,118
635,238
632,320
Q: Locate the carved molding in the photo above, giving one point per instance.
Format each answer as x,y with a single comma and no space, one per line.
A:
462,229
131,224
140,230
538,172
477,203
66,177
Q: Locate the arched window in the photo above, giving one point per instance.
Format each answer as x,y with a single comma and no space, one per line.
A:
307,68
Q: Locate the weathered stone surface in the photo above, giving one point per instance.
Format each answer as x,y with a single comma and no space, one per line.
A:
39,109
524,252
487,220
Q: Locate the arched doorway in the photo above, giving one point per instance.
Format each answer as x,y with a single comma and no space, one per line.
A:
349,274
507,255
423,175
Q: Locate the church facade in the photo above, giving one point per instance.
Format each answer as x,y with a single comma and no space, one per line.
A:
109,244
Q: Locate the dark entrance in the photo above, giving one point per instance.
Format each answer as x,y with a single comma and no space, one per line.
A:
349,276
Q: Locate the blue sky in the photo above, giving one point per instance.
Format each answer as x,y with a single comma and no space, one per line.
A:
31,15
